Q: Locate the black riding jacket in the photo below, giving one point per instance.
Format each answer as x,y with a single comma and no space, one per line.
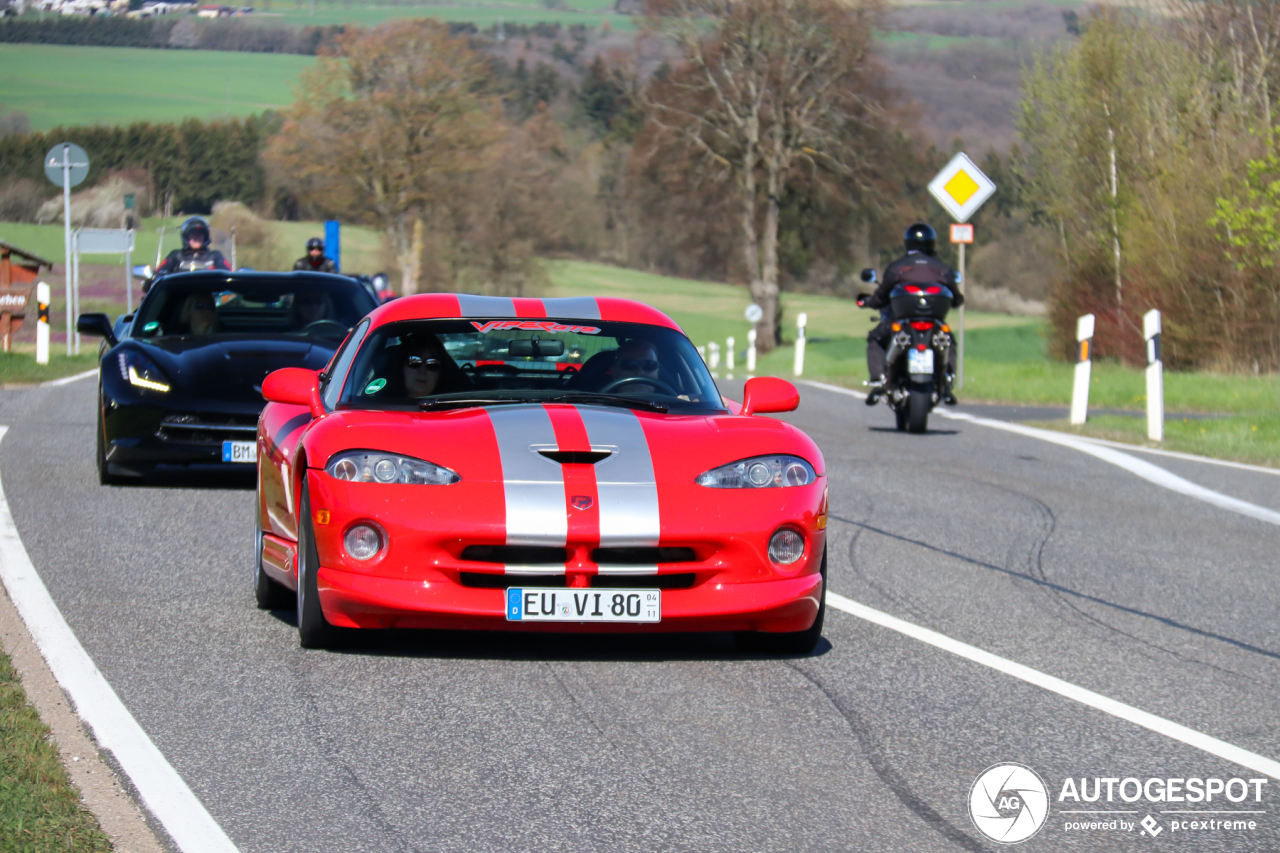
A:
325,265
182,260
914,268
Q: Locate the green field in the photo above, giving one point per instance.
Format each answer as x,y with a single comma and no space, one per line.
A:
60,86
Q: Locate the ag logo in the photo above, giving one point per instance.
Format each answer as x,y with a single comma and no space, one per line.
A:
1008,803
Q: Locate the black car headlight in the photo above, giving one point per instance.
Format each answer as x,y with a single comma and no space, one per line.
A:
141,372
372,466
759,472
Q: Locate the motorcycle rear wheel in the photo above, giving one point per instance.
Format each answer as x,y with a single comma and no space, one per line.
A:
917,412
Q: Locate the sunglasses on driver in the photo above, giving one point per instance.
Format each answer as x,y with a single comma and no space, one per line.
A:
417,362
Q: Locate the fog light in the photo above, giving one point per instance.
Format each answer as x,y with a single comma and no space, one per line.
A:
362,542
786,547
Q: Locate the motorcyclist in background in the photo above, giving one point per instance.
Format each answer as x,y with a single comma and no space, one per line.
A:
921,266
315,261
195,253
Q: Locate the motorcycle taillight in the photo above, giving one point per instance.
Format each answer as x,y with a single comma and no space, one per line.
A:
921,325
933,289
912,289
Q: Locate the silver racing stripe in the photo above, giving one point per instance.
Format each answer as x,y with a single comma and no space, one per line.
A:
627,489
573,308
486,306
534,485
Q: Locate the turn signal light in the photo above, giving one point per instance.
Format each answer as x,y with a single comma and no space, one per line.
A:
897,327
946,328
322,517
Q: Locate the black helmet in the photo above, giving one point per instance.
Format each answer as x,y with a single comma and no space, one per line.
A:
195,228
921,237
315,243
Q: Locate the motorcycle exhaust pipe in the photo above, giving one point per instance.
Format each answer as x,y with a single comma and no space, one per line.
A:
901,342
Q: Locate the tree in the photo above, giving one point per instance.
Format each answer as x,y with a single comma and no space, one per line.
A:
769,91
384,128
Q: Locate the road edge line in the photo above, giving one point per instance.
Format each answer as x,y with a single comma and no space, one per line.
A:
67,380
162,790
1159,725
1138,467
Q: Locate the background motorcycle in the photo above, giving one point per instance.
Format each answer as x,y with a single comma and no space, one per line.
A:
916,360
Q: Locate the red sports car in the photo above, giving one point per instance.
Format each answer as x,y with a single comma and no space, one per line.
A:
470,462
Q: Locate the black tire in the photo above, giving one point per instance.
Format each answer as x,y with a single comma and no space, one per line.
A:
270,594
792,643
900,417
314,632
105,477
917,414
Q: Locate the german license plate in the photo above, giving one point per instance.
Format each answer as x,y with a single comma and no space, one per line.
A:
540,604
239,451
919,361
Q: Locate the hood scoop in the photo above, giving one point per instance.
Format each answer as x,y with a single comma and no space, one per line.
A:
575,457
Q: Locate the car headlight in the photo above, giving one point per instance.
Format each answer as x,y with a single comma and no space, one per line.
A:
371,466
759,472
141,372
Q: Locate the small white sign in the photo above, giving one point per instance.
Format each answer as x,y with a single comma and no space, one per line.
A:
961,188
753,313
961,233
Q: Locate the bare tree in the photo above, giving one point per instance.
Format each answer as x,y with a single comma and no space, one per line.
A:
768,88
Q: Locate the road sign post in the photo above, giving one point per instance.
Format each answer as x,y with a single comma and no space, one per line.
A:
802,319
751,353
961,235
961,188
66,165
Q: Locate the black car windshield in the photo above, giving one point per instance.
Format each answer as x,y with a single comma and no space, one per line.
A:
432,364
221,305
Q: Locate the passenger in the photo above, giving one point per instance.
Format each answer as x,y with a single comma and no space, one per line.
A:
200,313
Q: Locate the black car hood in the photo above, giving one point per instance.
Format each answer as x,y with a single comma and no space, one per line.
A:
230,369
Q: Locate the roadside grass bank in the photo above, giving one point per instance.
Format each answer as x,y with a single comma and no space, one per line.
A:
40,809
19,367
1005,362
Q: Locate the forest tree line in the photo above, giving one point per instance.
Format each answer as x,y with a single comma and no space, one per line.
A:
762,143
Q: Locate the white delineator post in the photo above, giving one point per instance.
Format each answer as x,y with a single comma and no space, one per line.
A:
1080,391
713,350
751,353
42,323
728,354
801,320
1155,376
66,232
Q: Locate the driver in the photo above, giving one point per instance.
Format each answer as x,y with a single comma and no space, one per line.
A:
635,358
424,361
312,307
200,314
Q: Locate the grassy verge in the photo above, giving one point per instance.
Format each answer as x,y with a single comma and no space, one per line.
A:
39,807
1004,362
19,367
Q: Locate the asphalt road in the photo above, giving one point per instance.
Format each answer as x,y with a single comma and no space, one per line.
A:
428,742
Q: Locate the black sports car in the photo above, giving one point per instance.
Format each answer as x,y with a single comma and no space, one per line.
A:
180,382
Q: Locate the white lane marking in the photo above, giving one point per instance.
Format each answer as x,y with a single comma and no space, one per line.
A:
1187,457
162,790
1140,467
1160,725
67,380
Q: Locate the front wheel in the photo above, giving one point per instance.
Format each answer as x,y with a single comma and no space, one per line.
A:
917,414
269,594
314,631
793,642
105,477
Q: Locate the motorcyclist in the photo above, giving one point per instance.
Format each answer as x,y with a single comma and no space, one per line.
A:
315,261
195,253
921,266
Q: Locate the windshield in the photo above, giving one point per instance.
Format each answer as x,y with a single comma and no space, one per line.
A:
444,363
222,306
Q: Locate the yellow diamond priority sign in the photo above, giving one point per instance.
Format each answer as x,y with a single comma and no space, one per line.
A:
961,188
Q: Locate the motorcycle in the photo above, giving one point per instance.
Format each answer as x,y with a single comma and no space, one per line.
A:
916,375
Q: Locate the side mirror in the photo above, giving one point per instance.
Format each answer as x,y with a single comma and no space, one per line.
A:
295,386
765,394
868,275
97,325
142,271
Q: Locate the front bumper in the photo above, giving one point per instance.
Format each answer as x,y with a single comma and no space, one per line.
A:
138,435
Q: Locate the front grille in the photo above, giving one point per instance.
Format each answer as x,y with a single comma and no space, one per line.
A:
480,580
208,429
642,556
684,580
516,555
